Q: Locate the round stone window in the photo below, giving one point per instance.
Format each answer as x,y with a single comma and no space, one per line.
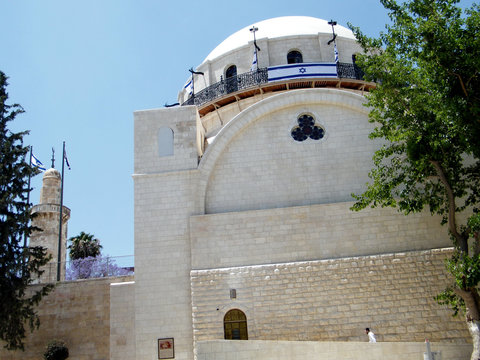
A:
307,128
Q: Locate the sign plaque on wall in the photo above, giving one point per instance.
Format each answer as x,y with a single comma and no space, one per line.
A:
166,349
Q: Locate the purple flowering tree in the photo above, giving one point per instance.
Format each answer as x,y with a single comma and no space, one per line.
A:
94,267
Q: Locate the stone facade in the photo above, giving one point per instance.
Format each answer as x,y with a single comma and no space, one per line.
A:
311,232
46,217
122,320
331,300
273,350
259,204
77,312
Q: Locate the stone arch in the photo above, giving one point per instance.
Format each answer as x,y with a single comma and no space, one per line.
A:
235,325
249,116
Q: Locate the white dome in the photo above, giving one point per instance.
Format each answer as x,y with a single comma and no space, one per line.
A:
278,27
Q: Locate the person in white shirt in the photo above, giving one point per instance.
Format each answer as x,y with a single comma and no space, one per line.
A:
371,336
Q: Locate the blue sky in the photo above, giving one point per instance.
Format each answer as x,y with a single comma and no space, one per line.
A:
81,68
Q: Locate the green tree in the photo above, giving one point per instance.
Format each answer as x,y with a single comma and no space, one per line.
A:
19,266
56,350
84,245
426,108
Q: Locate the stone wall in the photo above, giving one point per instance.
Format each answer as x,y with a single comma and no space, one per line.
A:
182,121
331,300
162,263
46,218
163,203
301,350
122,321
77,312
264,167
308,233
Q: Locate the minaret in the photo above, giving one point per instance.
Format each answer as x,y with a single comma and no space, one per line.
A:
46,217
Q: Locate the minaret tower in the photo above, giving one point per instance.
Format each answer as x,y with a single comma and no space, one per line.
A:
46,217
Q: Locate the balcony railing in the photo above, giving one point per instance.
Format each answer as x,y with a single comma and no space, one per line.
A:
255,78
349,71
227,86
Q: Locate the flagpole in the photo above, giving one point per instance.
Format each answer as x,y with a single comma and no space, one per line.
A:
193,81
27,207
28,194
335,51
59,263
255,46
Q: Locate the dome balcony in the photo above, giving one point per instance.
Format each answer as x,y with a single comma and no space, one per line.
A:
278,78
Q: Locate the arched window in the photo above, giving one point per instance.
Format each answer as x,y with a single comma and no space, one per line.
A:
235,325
165,141
231,78
358,72
294,57
231,71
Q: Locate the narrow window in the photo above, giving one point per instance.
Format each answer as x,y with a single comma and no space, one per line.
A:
294,57
235,325
231,71
358,72
231,79
165,141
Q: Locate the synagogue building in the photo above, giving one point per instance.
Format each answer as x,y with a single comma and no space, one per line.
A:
246,246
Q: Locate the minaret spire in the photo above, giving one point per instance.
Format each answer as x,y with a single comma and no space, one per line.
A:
53,158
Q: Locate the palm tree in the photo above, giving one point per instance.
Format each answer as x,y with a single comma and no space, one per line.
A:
84,245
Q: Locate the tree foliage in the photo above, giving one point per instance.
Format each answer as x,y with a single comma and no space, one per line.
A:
84,245
56,350
19,266
426,108
95,267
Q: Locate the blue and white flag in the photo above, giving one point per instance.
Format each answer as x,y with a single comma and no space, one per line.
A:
37,163
254,62
189,88
303,70
336,53
66,160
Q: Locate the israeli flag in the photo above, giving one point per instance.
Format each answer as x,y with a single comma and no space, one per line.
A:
66,160
189,88
254,62
37,163
302,71
336,53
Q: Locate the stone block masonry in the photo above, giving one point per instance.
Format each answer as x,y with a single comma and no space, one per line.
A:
77,312
273,350
314,232
331,300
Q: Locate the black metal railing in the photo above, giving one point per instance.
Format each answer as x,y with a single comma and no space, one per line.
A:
255,78
227,86
349,71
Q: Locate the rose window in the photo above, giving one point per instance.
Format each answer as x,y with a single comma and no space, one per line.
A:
307,128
